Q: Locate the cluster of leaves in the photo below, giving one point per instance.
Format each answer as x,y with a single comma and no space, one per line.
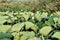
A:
29,25
42,5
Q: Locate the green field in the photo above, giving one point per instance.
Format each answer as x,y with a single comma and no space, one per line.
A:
29,25
38,20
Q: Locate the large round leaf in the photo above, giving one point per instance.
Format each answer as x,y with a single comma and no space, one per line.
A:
3,19
31,25
29,34
45,30
56,35
4,28
17,27
5,35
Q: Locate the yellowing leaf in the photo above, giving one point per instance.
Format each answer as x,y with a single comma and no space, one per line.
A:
4,28
17,27
24,37
45,30
31,25
29,34
35,28
28,25
34,38
9,21
38,16
16,35
44,15
55,19
3,19
26,16
58,13
59,20
56,35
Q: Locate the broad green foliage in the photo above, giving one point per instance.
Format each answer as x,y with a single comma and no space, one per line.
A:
34,38
44,15
16,35
5,36
4,28
17,27
3,19
31,25
23,37
56,35
30,34
59,20
5,39
55,19
26,15
25,25
39,15
45,30
58,13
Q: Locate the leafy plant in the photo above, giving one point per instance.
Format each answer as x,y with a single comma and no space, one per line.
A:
25,25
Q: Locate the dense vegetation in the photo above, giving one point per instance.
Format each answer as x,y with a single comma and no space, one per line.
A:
29,26
37,20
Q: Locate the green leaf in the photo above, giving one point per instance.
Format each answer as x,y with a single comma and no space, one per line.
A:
45,30
58,13
29,34
5,39
56,35
31,25
10,14
17,27
28,25
9,21
26,16
40,24
5,35
13,19
16,35
55,19
51,21
4,28
24,37
3,19
59,20
38,16
34,38
35,28
44,15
